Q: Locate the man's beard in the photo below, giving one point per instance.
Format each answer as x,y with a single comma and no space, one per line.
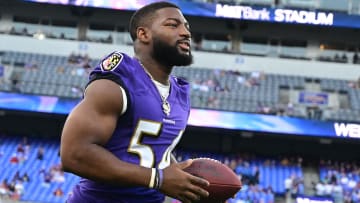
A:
170,55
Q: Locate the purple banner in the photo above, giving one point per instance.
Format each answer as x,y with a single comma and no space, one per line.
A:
311,98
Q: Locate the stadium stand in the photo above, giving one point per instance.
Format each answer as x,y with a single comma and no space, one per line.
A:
44,175
339,180
39,159
253,92
262,173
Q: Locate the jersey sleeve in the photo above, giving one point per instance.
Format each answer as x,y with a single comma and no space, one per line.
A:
112,67
109,68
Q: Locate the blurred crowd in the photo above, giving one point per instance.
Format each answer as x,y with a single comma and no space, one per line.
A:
339,180
15,186
248,167
215,83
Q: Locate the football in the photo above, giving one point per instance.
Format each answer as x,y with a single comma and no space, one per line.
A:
224,183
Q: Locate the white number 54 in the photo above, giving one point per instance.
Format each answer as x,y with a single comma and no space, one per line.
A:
145,152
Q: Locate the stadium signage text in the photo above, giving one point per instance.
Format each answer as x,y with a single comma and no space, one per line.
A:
303,17
311,200
275,15
242,12
347,130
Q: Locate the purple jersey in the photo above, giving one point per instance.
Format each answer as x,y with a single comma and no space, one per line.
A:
144,134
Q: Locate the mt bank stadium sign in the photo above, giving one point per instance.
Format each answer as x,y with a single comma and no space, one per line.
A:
275,15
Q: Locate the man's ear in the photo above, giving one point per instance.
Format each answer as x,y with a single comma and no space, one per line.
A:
143,34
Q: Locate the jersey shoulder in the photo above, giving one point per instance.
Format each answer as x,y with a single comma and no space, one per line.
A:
112,61
115,62
116,66
182,88
181,83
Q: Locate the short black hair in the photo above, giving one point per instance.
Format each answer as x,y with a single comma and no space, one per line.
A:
145,15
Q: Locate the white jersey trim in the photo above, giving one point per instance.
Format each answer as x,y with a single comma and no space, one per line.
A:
124,100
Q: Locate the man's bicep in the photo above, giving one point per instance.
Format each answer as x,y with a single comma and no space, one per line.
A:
94,119
85,124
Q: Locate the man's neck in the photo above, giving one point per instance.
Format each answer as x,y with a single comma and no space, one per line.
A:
157,71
